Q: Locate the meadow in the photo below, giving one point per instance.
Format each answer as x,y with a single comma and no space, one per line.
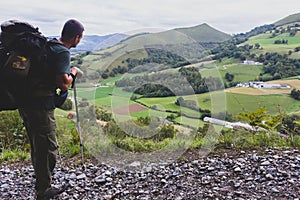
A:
267,43
230,101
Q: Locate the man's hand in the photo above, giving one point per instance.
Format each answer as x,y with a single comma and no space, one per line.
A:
76,71
64,81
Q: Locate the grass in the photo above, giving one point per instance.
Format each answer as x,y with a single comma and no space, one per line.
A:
232,103
274,104
16,155
245,140
268,45
241,72
194,123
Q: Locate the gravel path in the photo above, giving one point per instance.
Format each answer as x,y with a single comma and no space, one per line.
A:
267,174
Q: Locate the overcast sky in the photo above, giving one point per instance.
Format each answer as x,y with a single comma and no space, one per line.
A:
104,17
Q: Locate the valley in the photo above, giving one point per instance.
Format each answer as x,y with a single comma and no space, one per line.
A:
136,61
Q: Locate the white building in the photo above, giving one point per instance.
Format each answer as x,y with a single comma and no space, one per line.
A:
251,62
259,84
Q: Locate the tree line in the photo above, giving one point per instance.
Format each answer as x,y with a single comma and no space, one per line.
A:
154,55
186,81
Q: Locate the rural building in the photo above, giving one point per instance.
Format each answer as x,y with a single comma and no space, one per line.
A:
251,62
260,84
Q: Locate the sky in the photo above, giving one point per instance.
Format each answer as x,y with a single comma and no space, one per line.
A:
103,17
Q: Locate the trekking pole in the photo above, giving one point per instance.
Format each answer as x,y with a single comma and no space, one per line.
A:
78,121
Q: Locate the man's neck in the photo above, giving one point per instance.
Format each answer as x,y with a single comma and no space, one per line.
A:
66,44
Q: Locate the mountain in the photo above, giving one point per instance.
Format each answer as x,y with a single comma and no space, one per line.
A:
96,42
294,18
190,43
204,33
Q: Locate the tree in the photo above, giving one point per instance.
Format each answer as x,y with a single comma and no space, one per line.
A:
295,94
229,77
171,117
259,119
179,101
254,118
104,75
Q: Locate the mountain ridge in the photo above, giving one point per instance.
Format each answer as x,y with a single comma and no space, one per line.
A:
200,33
293,18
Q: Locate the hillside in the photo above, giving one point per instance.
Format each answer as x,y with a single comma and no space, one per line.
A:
288,20
201,33
204,33
190,43
157,57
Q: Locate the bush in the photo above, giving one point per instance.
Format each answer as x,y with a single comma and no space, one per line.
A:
12,132
67,105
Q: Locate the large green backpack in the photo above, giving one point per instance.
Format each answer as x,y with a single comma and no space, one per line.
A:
24,63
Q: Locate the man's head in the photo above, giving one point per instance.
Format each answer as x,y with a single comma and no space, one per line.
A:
72,32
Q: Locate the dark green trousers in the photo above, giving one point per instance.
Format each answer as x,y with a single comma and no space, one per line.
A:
41,131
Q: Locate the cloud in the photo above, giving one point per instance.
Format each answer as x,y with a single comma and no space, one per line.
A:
105,17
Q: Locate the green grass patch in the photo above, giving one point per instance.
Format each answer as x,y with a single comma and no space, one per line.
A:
16,155
168,104
274,104
244,140
194,123
267,43
241,72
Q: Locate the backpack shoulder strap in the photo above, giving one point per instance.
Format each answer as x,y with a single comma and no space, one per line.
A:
53,41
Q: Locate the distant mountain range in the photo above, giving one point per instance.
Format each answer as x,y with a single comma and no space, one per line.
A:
96,42
200,33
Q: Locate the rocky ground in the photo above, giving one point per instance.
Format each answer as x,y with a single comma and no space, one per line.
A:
266,174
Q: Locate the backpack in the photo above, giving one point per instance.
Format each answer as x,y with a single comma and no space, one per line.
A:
24,63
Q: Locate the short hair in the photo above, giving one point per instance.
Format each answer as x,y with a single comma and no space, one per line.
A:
72,28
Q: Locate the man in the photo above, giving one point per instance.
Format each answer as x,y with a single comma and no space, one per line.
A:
37,110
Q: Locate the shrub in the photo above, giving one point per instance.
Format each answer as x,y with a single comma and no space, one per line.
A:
12,132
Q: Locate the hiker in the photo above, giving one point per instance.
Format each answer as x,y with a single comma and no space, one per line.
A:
37,111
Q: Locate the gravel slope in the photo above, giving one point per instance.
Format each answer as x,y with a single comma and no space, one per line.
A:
267,174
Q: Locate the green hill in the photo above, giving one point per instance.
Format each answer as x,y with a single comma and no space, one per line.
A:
204,33
288,20
190,43
272,46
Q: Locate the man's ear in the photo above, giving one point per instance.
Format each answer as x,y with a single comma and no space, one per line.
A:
77,38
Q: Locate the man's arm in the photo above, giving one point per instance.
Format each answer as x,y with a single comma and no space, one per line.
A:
64,81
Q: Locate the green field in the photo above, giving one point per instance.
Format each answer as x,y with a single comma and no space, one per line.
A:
274,104
111,97
241,72
234,103
268,45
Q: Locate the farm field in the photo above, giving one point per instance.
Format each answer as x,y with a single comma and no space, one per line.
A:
236,103
267,43
231,101
274,103
241,72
